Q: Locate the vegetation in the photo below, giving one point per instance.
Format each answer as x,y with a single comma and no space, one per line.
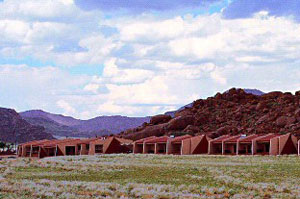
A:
151,176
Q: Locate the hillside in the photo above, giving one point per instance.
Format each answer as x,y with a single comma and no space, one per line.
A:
14,129
60,125
249,91
232,112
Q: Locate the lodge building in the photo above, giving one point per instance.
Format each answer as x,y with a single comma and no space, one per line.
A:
269,144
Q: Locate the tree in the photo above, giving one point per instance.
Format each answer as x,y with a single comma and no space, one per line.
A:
2,145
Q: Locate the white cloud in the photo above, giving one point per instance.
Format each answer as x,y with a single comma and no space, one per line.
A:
92,88
149,65
68,109
114,74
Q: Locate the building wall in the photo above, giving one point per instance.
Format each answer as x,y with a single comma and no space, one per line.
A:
288,144
186,147
84,150
199,145
274,146
137,148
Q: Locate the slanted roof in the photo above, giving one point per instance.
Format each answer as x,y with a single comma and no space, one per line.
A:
124,141
87,141
141,141
34,142
99,140
53,143
249,138
220,139
232,139
266,138
180,138
162,139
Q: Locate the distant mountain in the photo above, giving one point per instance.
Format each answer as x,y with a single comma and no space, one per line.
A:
15,129
254,92
60,119
172,113
59,125
248,91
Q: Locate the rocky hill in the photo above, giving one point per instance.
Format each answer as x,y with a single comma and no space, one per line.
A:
15,129
60,125
232,112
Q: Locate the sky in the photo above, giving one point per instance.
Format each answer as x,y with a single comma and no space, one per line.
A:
87,58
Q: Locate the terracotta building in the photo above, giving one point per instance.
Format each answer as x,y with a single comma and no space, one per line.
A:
46,148
110,145
229,145
262,145
25,149
175,145
299,147
283,145
157,145
138,146
215,146
182,145
244,144
195,145
270,144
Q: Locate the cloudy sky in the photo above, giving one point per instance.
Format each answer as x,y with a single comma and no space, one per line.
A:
87,58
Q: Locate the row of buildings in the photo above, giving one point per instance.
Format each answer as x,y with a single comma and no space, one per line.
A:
269,144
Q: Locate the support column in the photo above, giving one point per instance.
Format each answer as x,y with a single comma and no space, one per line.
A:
223,148
30,151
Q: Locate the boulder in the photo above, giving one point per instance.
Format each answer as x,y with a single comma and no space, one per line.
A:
159,119
201,119
192,129
180,123
260,106
285,121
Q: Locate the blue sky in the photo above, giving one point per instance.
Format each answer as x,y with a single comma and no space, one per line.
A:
87,58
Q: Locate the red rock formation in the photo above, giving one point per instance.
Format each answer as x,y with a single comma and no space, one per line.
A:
232,112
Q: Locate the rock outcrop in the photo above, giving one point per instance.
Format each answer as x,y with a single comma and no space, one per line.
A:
232,112
15,129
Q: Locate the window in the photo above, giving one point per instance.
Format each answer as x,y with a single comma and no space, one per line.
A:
99,148
87,147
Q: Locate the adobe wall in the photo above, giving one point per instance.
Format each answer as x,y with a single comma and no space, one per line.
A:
186,147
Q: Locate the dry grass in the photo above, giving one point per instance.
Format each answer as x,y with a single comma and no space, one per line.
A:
151,176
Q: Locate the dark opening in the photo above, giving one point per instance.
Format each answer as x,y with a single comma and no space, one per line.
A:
35,150
70,150
99,148
87,146
267,145
177,148
162,148
217,148
27,149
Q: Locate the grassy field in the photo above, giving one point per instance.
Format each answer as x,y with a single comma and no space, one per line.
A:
151,176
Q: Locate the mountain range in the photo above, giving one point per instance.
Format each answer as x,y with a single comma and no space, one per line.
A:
62,126
38,124
14,129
